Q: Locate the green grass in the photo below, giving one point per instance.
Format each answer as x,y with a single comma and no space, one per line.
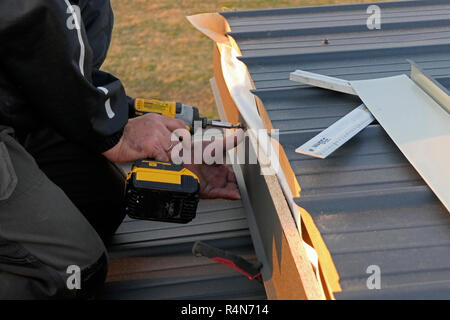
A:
157,53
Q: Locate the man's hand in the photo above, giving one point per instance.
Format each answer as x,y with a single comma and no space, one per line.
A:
147,136
217,180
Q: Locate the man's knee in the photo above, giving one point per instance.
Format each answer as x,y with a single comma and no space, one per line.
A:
42,234
90,181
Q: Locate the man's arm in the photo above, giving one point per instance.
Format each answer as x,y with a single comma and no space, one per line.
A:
46,54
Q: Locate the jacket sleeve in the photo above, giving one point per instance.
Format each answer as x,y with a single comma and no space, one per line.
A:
46,54
98,20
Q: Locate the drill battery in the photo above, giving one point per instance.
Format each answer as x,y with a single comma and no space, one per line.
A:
161,191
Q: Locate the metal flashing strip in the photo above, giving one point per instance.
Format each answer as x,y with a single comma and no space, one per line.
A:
434,89
288,274
329,140
239,84
321,81
290,278
229,91
417,124
415,114
272,225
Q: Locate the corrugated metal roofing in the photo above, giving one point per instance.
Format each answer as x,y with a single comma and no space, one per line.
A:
368,202
153,260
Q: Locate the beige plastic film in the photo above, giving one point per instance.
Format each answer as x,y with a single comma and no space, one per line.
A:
239,85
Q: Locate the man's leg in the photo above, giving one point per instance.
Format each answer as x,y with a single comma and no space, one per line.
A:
91,182
42,233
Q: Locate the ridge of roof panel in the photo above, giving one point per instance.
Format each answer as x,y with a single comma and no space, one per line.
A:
240,15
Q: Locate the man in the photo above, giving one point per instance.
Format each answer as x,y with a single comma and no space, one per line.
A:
62,123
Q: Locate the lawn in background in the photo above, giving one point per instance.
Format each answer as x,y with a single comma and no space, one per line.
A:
157,53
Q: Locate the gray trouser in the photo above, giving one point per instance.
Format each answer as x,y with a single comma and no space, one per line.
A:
44,239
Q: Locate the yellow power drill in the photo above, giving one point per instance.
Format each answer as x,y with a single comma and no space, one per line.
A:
163,191
178,110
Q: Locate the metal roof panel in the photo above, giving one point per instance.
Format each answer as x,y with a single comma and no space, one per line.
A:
369,203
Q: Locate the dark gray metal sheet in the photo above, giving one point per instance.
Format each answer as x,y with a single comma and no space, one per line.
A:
220,223
215,287
368,202
215,220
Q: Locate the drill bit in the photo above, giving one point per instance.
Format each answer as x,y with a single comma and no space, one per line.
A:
224,125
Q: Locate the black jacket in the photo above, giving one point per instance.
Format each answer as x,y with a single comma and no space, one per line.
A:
49,70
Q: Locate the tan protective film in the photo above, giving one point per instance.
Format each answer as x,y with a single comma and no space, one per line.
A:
238,81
